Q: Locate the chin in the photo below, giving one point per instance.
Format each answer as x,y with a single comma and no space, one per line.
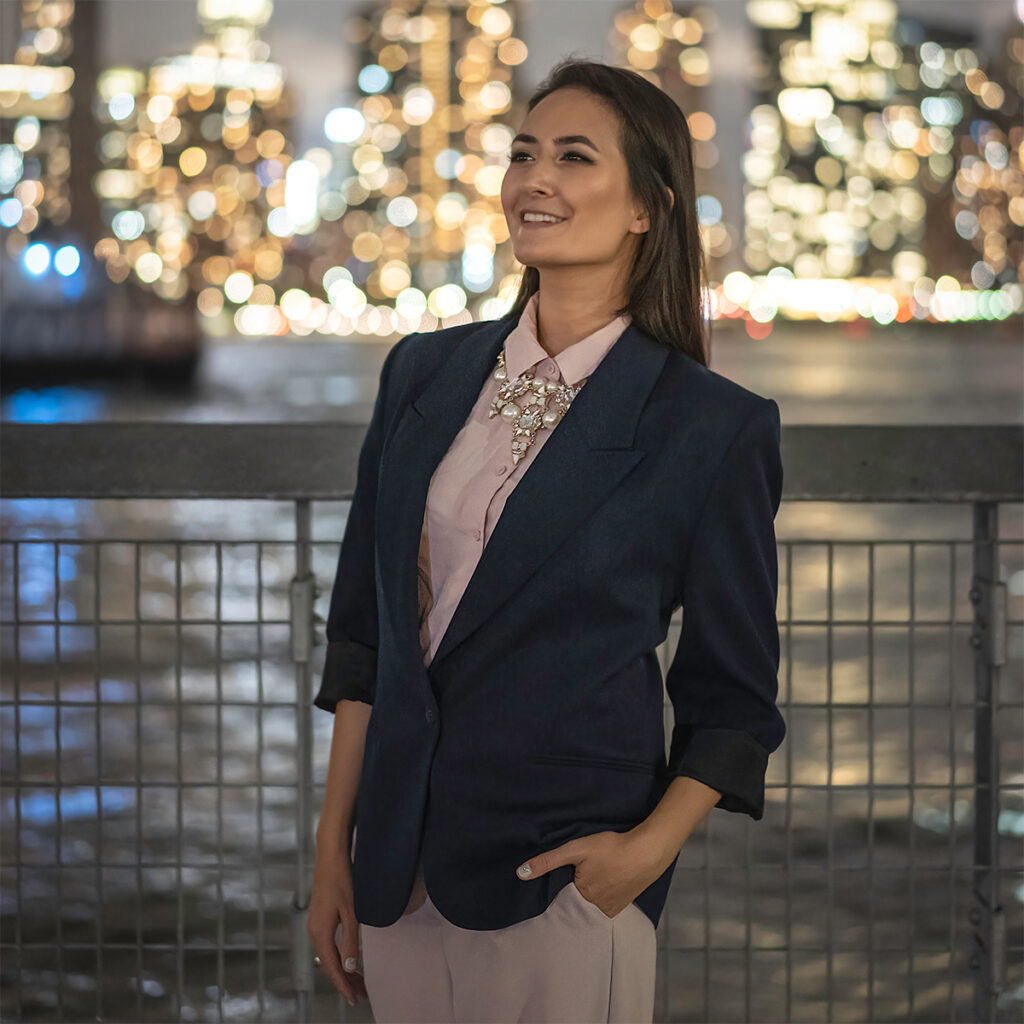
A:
532,261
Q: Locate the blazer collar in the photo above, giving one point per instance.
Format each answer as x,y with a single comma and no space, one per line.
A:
577,469
605,412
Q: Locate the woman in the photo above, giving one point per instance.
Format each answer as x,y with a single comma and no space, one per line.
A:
535,497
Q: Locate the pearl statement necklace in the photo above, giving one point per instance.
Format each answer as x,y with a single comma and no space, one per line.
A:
527,420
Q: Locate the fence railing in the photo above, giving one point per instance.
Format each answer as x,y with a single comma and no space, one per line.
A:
162,761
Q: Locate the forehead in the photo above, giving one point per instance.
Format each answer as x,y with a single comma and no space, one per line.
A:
572,111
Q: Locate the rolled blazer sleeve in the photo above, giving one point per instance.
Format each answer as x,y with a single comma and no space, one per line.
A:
723,680
350,667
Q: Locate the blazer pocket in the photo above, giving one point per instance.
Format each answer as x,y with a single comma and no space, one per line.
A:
620,764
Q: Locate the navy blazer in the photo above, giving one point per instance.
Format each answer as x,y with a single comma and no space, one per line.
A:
540,717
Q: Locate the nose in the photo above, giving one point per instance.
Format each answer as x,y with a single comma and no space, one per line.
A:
538,189
536,178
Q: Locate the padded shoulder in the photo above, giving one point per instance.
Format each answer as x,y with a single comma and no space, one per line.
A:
423,352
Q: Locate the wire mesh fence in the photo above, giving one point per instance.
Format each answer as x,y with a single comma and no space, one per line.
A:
162,763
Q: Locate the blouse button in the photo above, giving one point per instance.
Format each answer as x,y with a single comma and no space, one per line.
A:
477,535
500,470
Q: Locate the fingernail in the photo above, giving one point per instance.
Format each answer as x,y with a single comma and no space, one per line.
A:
351,964
524,871
351,1002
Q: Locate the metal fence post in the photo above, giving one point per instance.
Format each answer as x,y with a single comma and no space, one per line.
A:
303,595
988,638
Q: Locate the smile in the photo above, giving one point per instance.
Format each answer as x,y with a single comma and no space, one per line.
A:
541,223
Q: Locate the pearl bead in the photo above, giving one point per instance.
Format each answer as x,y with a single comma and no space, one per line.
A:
526,419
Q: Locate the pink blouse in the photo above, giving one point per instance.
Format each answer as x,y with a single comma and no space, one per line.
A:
472,482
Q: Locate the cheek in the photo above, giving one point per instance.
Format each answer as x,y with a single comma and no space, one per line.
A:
608,196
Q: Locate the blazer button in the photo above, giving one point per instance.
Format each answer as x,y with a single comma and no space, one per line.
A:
430,714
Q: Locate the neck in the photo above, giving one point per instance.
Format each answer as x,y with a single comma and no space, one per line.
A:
569,310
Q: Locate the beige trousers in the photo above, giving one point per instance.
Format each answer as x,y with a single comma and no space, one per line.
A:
572,963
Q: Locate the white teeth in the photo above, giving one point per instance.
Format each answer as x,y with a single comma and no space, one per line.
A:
542,217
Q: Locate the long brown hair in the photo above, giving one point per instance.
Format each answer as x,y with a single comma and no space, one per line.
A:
666,285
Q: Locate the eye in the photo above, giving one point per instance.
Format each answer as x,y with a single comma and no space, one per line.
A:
514,158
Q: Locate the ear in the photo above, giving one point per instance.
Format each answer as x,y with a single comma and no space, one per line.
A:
643,224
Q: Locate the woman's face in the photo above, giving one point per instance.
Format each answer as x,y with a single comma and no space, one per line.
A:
584,182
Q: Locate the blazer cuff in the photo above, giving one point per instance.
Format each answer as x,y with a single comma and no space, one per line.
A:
728,760
350,673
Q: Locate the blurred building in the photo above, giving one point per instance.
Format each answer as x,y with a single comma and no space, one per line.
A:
58,310
984,200
411,191
200,188
140,207
393,225
670,47
855,142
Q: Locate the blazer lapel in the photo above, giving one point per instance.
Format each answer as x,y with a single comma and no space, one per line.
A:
411,453
579,466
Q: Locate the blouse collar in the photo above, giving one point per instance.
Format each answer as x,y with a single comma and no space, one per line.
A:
523,350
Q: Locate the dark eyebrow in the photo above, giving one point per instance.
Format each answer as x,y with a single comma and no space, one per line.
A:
562,140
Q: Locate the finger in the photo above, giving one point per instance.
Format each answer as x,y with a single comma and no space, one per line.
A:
360,986
331,967
330,964
349,952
